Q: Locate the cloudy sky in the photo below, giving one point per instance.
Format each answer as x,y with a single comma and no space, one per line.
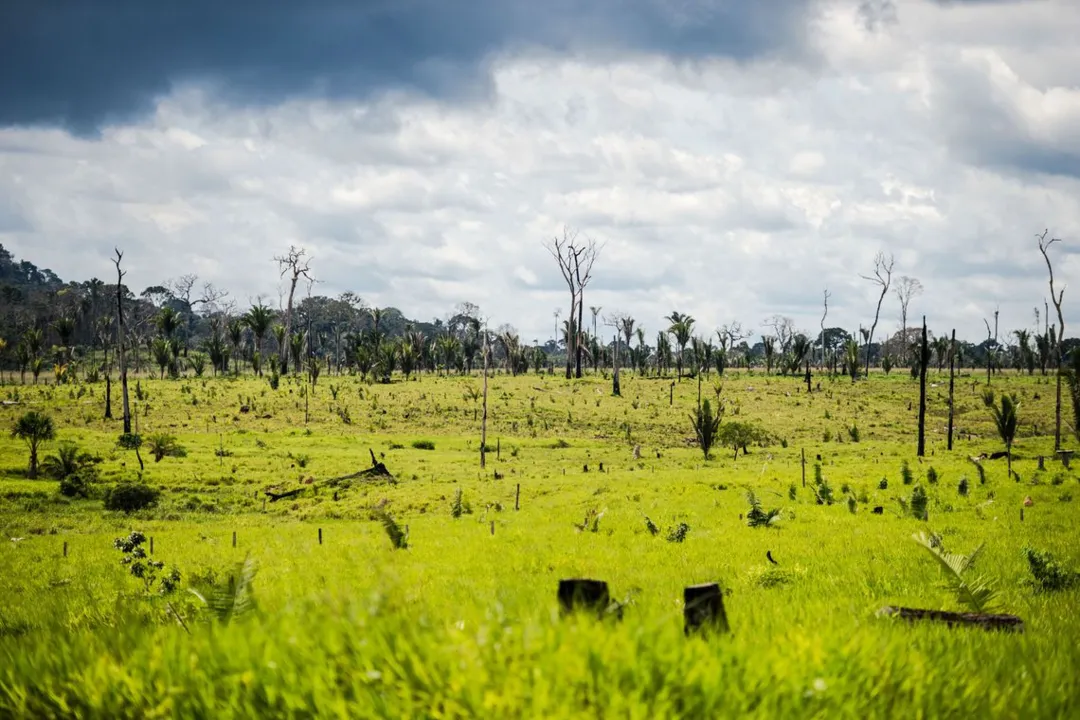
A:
735,159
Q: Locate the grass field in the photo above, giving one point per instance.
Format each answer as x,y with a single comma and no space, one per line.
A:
464,622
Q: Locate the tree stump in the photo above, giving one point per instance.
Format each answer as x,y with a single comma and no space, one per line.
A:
583,594
878,510
986,621
703,609
1066,457
1041,463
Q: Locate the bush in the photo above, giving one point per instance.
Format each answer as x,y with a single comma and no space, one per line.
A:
163,445
79,483
130,496
129,441
1049,574
919,502
423,444
905,473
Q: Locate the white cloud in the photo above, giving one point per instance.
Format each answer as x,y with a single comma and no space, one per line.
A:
731,191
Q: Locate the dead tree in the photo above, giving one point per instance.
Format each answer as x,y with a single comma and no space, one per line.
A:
924,364
882,276
575,261
1056,298
120,339
296,264
952,366
824,314
906,289
483,421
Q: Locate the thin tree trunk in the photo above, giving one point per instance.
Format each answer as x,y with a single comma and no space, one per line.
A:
483,420
952,365
924,356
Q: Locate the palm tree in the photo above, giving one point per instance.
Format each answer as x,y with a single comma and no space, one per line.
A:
65,329
167,322
3,347
663,352
34,428
1005,419
1072,377
235,329
682,327
1023,347
706,425
258,319
162,354
769,342
851,357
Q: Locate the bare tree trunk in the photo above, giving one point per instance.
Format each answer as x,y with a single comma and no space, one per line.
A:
120,339
483,420
1056,298
952,366
615,389
924,358
883,277
580,321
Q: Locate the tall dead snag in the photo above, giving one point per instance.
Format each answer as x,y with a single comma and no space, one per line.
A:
952,366
824,314
483,421
120,338
296,264
1056,298
575,261
924,364
882,276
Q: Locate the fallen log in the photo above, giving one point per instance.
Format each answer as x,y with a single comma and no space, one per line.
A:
275,496
986,621
376,471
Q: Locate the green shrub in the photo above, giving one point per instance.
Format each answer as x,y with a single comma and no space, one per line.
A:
130,496
79,483
129,441
1049,574
423,445
905,473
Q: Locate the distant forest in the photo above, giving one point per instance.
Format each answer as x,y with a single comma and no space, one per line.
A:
54,327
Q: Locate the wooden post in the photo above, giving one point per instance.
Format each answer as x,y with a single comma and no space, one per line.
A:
582,594
498,448
804,467
483,420
517,497
65,548
492,527
151,544
671,395
1021,514
952,367
703,608
234,538
1041,463
320,536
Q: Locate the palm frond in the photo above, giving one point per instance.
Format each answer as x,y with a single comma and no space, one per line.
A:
976,593
235,599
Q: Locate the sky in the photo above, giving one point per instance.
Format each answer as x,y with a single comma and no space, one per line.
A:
733,160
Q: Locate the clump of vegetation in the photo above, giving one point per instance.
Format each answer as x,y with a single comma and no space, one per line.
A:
34,428
905,473
163,445
1048,573
423,445
707,425
756,517
129,497
852,504
853,433
975,592
592,520
140,566
129,441
80,483
931,475
980,469
962,487
883,484
651,526
678,533
459,506
399,538
559,444
919,502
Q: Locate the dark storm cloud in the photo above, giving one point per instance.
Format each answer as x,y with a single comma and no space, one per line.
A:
82,64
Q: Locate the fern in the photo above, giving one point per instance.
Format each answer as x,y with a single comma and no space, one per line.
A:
975,592
398,537
235,599
651,526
